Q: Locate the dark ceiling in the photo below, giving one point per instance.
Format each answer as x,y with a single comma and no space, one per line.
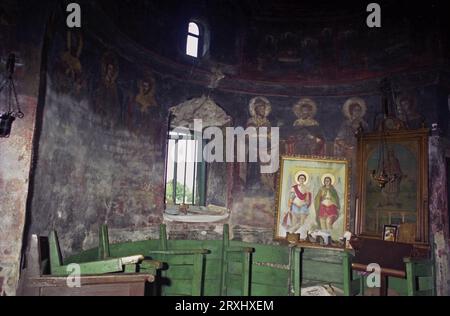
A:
292,10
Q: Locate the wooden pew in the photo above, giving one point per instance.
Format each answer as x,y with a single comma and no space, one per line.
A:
233,257
35,280
235,263
57,268
145,265
318,267
168,261
420,277
397,260
187,265
353,285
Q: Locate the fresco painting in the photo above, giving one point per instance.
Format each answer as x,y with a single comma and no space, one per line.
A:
396,203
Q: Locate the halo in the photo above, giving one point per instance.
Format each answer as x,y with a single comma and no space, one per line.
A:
252,106
405,96
346,107
109,58
147,76
412,102
304,101
328,175
301,172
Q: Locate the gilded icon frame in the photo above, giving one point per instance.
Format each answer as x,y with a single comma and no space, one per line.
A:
410,150
317,168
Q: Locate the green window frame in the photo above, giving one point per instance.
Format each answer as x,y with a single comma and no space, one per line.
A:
185,175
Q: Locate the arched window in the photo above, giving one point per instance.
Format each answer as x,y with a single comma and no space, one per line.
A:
193,40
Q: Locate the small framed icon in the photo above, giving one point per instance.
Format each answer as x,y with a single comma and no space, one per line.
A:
390,233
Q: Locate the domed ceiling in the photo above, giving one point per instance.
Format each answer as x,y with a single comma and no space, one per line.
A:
309,42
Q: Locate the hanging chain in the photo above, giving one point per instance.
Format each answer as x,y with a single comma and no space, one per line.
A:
2,86
10,89
19,112
8,97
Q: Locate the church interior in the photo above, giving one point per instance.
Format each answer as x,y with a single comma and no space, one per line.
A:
224,148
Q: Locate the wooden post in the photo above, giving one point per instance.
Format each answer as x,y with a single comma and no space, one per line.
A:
224,258
246,262
54,251
347,265
297,273
410,279
362,284
197,278
162,237
103,242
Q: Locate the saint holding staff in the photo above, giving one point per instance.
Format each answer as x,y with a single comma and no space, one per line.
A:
327,203
300,199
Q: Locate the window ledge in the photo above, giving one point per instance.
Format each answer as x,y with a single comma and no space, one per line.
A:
207,214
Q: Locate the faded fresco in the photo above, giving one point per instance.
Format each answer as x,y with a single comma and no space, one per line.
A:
305,136
310,52
143,113
107,140
255,181
354,111
71,77
408,112
396,203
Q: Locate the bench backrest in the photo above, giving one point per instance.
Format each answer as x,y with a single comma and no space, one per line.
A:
389,255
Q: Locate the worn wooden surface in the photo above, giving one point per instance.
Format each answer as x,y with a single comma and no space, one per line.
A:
142,265
35,283
104,285
128,263
420,277
103,243
389,255
270,273
322,267
185,268
235,267
416,279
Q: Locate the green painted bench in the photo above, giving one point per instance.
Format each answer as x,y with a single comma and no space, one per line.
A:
127,264
319,267
235,266
104,253
36,280
418,277
186,266
180,271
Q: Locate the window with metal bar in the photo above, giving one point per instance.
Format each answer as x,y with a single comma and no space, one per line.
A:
193,40
185,173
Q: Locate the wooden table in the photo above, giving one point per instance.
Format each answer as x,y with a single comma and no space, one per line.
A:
35,279
121,284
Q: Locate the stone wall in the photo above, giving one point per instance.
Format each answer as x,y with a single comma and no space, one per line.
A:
439,223
21,32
